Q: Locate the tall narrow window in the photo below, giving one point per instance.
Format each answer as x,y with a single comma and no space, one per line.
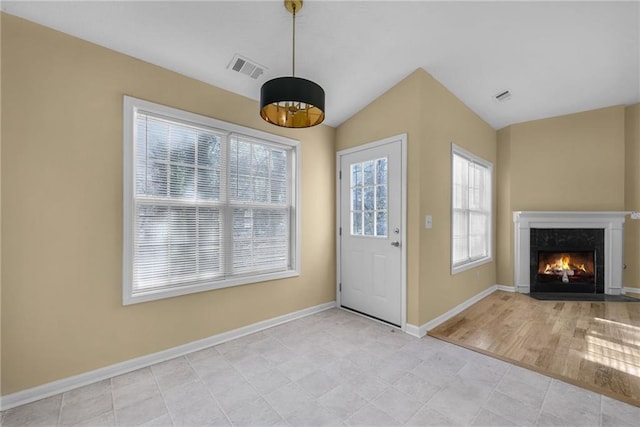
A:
471,213
207,204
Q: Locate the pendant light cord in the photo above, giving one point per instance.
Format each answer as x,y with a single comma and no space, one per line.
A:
293,65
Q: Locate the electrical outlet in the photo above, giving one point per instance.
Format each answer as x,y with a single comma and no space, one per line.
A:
428,221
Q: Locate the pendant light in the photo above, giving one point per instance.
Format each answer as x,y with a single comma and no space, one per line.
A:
292,102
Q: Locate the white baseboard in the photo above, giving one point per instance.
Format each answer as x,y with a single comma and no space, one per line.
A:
631,290
506,288
66,384
413,330
422,330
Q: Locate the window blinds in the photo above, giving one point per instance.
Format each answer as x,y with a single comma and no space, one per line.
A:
209,205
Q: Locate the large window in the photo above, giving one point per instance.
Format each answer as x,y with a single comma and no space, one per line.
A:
207,204
471,215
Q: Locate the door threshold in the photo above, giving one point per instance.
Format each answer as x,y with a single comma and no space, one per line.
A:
368,316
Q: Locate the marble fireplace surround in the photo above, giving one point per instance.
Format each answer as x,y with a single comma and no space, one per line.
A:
611,222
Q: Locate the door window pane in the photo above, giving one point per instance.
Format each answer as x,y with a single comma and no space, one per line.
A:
381,197
381,223
368,198
381,171
356,223
368,224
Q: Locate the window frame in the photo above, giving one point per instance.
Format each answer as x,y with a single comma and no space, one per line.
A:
471,262
131,106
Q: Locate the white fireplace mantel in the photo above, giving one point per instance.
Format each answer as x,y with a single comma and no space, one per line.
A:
611,222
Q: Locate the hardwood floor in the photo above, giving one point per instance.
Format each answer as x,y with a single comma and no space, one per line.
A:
595,345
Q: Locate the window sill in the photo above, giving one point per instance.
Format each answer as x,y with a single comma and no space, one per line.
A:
156,294
470,264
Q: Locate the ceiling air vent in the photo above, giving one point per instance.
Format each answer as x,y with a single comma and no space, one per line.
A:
503,96
246,66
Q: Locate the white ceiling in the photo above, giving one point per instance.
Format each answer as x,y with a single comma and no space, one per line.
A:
554,57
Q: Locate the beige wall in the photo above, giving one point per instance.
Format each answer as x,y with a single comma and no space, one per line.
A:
577,161
573,162
632,195
504,217
62,212
0,207
433,118
446,119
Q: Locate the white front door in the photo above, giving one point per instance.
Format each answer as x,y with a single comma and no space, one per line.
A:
371,230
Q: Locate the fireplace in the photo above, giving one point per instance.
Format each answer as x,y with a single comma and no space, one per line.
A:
567,260
587,246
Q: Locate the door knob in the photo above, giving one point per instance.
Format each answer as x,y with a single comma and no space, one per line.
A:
396,244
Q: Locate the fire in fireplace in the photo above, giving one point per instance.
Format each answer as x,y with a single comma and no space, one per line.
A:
566,267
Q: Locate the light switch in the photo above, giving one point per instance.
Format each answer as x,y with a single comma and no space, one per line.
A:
428,221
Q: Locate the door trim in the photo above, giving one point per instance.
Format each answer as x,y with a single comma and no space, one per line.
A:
402,139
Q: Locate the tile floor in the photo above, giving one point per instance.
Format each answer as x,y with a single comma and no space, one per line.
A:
332,368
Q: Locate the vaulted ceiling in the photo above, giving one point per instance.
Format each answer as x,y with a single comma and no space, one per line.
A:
554,57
